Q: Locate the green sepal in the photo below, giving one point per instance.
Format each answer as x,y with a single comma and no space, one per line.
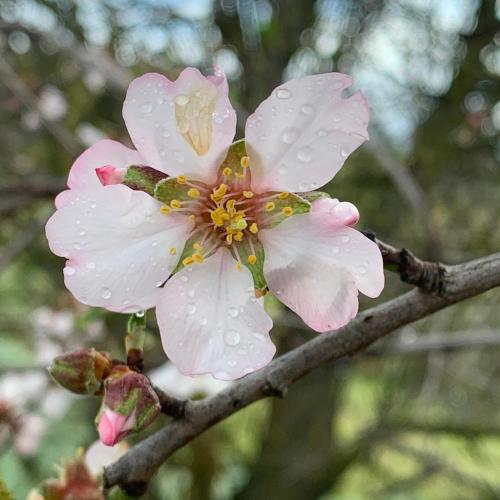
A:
276,216
257,269
187,251
235,153
143,179
170,189
313,196
136,331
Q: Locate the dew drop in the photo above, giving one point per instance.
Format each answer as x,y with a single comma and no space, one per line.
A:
283,94
344,153
154,244
361,270
90,265
248,370
166,133
146,107
190,293
93,205
203,321
106,293
233,312
191,309
345,239
82,232
307,109
69,271
260,337
231,362
322,132
304,154
139,314
232,338
335,250
184,279
289,135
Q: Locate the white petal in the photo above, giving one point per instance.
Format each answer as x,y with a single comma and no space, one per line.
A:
300,136
117,244
210,321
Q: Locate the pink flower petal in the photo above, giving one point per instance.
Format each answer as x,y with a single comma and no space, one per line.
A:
300,136
334,213
114,426
211,322
109,175
117,244
181,127
317,270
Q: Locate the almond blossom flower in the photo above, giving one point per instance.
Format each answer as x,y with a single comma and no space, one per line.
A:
201,228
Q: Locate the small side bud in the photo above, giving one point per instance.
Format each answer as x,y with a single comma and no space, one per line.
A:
81,371
129,405
110,175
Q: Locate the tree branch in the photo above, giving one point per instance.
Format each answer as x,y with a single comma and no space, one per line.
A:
458,283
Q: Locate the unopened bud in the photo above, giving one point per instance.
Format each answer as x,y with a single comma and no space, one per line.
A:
81,371
129,405
110,175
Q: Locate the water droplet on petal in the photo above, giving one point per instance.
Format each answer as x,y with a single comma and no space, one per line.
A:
289,135
232,338
191,309
154,244
233,312
260,337
203,321
322,132
345,239
93,205
139,314
184,279
90,265
248,370
304,154
307,109
146,107
283,93
231,362
335,250
69,271
190,293
106,293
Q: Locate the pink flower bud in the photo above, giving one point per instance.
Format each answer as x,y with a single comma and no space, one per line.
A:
334,213
110,175
113,426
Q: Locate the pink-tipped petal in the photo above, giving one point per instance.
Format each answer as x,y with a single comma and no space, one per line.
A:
117,244
114,426
106,152
317,270
181,127
334,213
301,135
211,322
109,175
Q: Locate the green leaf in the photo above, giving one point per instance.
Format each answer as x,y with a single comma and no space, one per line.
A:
143,179
277,215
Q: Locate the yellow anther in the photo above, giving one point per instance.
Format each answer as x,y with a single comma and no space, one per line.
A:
238,236
175,204
197,257
254,228
248,194
283,196
181,179
219,193
193,193
165,209
192,218
230,206
227,172
270,206
245,161
238,266
252,259
172,251
187,261
229,238
239,175
287,211
197,246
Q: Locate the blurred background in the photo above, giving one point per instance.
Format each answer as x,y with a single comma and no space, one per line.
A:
415,417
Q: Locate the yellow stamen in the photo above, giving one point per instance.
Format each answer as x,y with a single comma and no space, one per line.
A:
197,257
238,266
219,193
287,211
283,196
187,261
245,161
254,228
252,259
193,193
175,204
181,179
248,194
197,246
229,238
192,218
270,206
238,236
227,172
172,251
239,175
165,210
